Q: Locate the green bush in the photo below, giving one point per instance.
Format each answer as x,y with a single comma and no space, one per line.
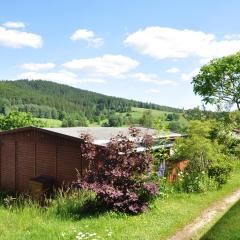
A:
209,163
237,151
220,172
194,182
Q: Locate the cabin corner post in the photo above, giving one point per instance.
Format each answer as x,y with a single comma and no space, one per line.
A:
1,144
35,153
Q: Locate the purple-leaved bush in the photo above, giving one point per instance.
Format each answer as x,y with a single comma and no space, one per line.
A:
120,182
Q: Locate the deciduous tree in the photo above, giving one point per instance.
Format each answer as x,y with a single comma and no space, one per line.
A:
219,81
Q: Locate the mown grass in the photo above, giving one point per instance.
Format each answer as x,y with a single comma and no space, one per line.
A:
227,227
137,113
164,219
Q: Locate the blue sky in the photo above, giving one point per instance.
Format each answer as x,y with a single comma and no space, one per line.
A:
140,49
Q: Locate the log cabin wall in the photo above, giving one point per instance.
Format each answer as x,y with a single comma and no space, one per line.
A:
29,153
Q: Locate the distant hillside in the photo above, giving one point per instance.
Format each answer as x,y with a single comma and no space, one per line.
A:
52,100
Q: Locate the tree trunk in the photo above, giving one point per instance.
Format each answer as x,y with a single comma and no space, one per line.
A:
238,106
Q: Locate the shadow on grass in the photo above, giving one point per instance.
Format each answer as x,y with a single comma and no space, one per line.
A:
227,227
91,210
65,211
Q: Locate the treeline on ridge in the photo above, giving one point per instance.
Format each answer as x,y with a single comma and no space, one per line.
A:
46,99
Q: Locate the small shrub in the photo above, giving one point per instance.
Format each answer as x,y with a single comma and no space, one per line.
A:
220,172
194,182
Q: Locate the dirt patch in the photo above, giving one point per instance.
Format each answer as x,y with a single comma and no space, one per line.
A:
207,216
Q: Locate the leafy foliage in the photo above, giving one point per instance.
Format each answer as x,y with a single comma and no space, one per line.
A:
18,120
203,114
121,182
219,81
209,163
194,182
147,119
114,121
220,171
234,119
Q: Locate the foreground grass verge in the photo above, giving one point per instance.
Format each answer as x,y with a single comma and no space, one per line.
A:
163,220
227,227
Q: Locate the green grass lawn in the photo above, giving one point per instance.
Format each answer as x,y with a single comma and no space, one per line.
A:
164,219
227,227
137,114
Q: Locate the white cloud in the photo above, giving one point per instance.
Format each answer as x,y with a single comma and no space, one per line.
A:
65,77
173,70
14,25
162,43
153,90
19,39
232,36
88,36
38,66
189,76
105,66
82,34
152,78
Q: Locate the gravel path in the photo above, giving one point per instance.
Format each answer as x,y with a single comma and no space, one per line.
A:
207,216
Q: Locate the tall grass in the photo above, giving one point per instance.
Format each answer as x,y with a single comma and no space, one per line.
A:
71,203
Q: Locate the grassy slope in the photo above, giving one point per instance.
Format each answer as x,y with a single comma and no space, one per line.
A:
50,122
163,220
227,227
137,114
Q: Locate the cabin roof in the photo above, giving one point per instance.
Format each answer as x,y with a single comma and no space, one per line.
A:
101,135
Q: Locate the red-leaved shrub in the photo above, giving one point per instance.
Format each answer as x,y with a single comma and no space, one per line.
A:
121,181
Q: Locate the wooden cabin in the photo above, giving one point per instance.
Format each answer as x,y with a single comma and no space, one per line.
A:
29,152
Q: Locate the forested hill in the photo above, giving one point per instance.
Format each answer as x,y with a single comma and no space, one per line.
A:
53,100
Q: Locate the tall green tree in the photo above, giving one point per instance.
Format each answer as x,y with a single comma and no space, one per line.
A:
147,119
219,81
